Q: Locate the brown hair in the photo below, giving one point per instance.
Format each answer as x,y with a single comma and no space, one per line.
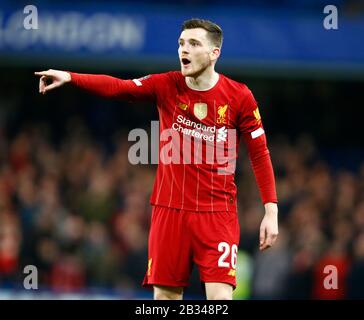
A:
213,30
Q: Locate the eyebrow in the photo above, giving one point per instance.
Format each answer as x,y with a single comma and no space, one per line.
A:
192,39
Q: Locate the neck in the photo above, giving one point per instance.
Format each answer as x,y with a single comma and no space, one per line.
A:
204,81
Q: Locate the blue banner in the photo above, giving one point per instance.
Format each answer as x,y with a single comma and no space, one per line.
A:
149,33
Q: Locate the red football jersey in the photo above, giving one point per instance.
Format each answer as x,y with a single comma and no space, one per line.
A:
199,137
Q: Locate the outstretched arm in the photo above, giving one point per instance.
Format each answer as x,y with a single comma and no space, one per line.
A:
102,85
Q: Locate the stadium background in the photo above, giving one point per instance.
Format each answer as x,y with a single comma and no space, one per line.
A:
72,205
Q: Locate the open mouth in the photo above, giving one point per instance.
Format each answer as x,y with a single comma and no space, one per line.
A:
185,61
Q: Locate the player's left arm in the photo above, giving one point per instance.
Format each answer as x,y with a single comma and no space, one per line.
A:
254,137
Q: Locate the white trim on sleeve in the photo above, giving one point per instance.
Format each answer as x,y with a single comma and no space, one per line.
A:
137,82
257,133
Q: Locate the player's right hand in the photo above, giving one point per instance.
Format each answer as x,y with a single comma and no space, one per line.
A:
52,79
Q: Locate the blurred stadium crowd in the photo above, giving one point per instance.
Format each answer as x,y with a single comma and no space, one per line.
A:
81,215
80,218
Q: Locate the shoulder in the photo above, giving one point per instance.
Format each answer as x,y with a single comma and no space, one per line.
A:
166,78
233,85
239,89
175,77
170,75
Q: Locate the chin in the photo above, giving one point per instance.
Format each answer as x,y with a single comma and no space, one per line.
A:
187,73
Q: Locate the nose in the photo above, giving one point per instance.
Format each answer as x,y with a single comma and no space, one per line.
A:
183,48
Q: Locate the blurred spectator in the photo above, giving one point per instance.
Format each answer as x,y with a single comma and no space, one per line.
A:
355,278
331,283
271,270
10,239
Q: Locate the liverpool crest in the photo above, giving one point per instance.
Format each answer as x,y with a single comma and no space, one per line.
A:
221,110
200,110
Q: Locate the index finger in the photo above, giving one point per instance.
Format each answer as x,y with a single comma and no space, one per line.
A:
262,236
264,246
41,73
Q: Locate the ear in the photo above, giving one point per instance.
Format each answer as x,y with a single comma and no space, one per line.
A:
215,53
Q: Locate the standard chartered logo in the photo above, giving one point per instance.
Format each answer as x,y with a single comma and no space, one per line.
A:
194,129
199,130
221,134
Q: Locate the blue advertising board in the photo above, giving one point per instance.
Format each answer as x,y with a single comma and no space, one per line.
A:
104,33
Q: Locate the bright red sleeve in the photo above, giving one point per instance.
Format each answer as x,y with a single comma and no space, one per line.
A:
262,167
110,87
251,127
